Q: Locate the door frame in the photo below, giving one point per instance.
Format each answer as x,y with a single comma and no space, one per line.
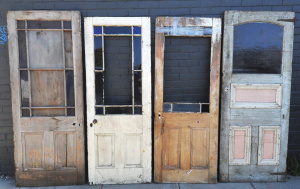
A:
162,29
75,18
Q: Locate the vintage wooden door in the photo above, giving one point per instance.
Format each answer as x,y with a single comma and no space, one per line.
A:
118,82
187,67
47,101
256,88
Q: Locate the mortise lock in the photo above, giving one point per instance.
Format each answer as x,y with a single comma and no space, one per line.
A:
95,121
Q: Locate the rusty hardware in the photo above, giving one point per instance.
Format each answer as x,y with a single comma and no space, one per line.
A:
288,20
95,121
91,125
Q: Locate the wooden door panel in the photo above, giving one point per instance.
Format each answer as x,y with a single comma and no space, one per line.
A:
118,78
186,123
255,97
46,81
33,151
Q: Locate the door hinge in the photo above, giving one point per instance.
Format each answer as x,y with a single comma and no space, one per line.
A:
288,20
282,173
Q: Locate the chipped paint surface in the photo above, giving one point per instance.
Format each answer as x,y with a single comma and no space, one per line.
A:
194,31
3,35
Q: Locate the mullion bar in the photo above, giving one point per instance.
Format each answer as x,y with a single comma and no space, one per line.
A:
103,67
64,64
132,69
29,76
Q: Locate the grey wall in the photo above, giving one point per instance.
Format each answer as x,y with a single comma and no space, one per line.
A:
154,8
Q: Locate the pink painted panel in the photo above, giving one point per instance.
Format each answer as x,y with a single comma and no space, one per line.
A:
255,95
239,144
268,144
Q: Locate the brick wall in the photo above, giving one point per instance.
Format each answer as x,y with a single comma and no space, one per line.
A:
154,8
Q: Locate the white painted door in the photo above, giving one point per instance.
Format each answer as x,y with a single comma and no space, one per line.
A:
256,88
118,86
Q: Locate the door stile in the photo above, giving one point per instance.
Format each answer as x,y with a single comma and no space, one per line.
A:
158,107
90,94
78,83
214,99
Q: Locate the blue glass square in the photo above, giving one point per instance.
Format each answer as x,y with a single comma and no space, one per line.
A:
97,29
137,30
117,30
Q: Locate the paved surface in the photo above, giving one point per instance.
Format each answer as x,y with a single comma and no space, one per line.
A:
291,183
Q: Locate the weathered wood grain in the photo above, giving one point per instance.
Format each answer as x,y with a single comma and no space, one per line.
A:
186,144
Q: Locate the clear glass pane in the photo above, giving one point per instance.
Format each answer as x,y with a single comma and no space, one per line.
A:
257,48
68,49
186,107
97,29
118,71
187,69
48,112
45,49
37,24
25,113
118,110
47,88
117,30
24,88
137,88
22,49
98,53
138,110
67,25
20,24
137,53
70,88
71,111
205,108
137,30
167,108
99,88
99,111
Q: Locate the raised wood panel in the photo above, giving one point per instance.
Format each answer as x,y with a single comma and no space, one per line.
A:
185,148
199,146
171,149
33,151
269,145
185,176
239,144
255,95
105,150
65,155
132,150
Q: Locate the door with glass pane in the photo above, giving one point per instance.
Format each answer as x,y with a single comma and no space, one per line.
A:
47,101
187,67
118,82
256,88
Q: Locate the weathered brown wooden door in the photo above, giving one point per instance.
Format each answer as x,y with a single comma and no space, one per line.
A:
47,101
186,127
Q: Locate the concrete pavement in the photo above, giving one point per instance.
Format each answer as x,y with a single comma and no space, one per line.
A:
291,183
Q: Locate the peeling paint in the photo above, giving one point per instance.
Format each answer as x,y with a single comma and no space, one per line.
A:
194,31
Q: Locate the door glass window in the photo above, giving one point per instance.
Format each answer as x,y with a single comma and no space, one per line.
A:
257,48
118,72
46,68
186,74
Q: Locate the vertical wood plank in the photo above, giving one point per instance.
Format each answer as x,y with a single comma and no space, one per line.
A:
158,96
49,150
214,98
